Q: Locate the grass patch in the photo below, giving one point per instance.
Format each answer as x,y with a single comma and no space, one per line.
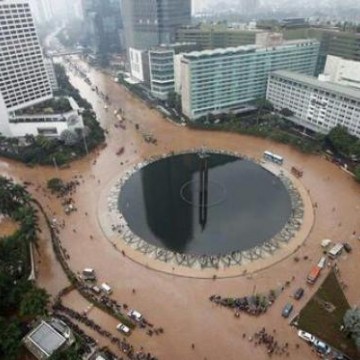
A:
325,324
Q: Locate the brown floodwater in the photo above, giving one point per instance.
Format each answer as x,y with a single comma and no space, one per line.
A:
7,226
178,304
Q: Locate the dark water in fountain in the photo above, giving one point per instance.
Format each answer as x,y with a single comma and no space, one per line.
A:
166,204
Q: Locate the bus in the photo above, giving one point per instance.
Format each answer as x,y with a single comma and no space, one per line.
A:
269,156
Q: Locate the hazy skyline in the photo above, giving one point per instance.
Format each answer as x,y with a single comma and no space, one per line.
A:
199,5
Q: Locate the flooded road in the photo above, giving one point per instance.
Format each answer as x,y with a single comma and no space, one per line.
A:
178,304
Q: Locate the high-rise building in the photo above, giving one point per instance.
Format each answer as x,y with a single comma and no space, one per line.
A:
316,105
149,23
161,64
24,80
23,77
333,42
162,67
215,81
49,66
103,26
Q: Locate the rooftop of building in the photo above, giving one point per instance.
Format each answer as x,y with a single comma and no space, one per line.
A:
316,83
246,48
218,28
44,340
57,105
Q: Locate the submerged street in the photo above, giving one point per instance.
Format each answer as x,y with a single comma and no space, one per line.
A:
180,304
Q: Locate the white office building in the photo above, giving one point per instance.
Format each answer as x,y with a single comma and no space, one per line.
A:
49,66
316,105
222,80
342,71
24,80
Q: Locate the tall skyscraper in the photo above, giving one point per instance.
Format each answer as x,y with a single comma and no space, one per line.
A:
24,80
23,77
149,23
103,25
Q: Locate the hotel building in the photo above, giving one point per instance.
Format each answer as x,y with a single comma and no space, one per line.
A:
24,79
222,80
316,105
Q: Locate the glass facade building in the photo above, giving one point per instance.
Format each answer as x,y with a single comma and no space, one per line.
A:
103,26
149,23
222,80
161,72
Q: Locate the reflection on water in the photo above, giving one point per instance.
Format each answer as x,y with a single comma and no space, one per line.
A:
204,206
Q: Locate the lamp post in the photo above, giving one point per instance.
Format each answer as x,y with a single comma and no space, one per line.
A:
85,143
56,166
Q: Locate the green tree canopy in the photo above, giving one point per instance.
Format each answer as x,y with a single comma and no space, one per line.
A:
343,142
357,173
10,339
34,303
352,324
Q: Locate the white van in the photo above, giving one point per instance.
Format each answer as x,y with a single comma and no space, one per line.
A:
88,274
106,288
336,251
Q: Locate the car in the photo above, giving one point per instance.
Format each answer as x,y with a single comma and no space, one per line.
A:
347,247
298,294
135,315
306,336
96,290
288,308
88,274
106,288
123,328
322,347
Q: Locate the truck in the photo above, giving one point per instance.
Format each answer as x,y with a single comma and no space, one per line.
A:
313,274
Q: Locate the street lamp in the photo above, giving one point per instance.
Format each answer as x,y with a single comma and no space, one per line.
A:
85,143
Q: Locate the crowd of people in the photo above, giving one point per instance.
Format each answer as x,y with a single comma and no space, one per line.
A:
64,313
272,345
252,305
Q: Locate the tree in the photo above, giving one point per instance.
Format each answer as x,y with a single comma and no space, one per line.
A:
357,173
341,140
34,303
262,105
355,149
352,324
286,112
10,339
69,137
55,184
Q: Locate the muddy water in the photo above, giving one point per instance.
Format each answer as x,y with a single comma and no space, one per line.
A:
7,226
180,305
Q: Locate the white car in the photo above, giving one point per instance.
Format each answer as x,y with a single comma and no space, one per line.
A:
135,315
123,328
306,336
